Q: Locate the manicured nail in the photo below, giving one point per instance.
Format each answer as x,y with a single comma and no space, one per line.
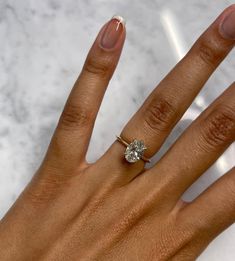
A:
227,28
112,32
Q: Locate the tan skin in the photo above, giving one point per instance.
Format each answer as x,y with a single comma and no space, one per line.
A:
114,210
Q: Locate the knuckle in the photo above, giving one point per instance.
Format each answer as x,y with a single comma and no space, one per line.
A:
96,66
160,114
210,52
46,189
74,116
220,127
192,231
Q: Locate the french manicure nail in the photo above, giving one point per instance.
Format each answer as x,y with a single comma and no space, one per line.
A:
112,32
227,28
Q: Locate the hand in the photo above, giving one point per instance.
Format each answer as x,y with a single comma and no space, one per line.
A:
115,210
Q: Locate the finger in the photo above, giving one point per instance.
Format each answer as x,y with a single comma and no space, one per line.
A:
167,103
214,210
199,146
72,135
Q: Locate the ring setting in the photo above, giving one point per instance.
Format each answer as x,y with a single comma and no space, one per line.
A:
134,150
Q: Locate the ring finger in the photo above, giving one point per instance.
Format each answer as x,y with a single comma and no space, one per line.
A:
167,103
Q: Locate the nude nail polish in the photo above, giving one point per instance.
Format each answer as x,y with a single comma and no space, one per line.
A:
227,28
112,32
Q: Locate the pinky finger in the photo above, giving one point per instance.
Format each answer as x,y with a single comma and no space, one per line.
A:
214,210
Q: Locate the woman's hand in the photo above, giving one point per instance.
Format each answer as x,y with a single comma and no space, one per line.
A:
115,210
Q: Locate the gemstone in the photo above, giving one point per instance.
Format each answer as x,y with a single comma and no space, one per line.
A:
134,151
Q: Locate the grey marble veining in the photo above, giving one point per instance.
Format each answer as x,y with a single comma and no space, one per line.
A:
43,47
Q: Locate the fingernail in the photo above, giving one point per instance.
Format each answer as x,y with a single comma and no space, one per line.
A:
112,32
227,28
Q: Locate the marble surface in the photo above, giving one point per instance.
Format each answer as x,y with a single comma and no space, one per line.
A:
43,47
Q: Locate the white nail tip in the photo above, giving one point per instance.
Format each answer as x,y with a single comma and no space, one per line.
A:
120,18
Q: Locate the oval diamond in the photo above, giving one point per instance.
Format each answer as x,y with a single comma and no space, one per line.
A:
134,151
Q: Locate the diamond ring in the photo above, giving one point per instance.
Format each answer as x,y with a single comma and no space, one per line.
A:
134,150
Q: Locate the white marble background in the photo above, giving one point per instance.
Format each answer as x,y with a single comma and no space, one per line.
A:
43,46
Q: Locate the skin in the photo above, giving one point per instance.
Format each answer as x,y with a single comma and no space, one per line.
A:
113,210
